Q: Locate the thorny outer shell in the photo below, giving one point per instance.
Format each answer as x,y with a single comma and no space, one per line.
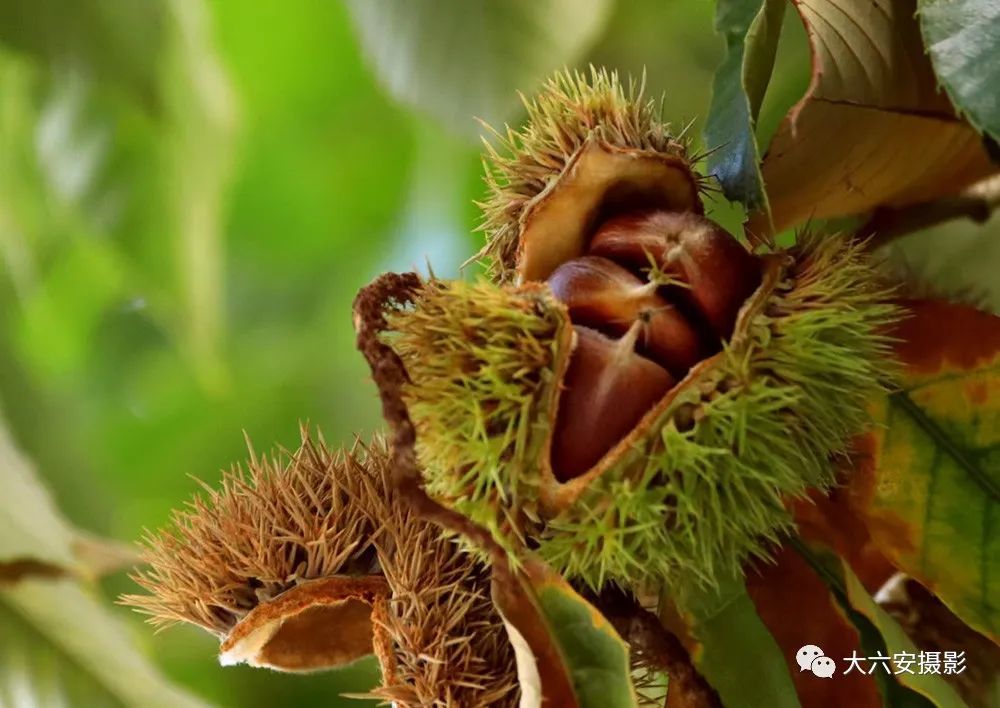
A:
423,607
743,430
607,145
220,557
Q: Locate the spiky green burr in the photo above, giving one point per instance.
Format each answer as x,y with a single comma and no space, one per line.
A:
701,483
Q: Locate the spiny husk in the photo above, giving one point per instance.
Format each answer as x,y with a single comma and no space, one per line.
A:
768,418
282,520
572,112
290,525
700,484
484,361
447,643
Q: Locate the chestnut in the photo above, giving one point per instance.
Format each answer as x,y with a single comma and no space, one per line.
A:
606,296
607,389
717,273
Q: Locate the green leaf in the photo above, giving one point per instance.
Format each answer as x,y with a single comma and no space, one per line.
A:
963,40
31,528
32,674
751,29
896,641
142,194
81,284
558,638
44,611
595,654
733,649
86,636
956,260
201,143
118,40
462,60
928,486
851,592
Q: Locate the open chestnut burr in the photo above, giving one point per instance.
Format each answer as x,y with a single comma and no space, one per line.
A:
657,292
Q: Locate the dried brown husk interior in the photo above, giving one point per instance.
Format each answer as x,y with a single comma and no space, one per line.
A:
316,625
311,560
599,181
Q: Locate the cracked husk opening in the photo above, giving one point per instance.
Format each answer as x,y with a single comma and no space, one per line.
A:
557,496
600,181
320,624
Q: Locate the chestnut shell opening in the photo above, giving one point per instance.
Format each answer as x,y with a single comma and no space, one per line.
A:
680,322
319,624
599,182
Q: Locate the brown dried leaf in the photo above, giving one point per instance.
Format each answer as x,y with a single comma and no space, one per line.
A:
873,129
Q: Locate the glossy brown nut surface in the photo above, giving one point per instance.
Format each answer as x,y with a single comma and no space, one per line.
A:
607,390
599,292
606,296
720,274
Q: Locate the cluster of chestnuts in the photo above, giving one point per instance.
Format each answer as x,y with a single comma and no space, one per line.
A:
656,293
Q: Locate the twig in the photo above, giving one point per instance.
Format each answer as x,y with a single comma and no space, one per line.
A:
658,648
889,223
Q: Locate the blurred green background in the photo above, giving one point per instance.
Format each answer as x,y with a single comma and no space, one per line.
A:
190,195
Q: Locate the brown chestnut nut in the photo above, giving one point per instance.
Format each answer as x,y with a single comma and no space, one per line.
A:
603,295
718,272
606,391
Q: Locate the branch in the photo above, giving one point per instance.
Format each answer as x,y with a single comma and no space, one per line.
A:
654,646
889,223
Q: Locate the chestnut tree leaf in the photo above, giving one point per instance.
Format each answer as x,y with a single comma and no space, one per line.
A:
58,642
873,129
31,528
751,29
568,654
731,646
878,627
155,193
828,518
927,483
462,60
963,41
35,538
794,602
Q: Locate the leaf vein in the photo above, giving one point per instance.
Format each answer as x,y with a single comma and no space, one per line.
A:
934,431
